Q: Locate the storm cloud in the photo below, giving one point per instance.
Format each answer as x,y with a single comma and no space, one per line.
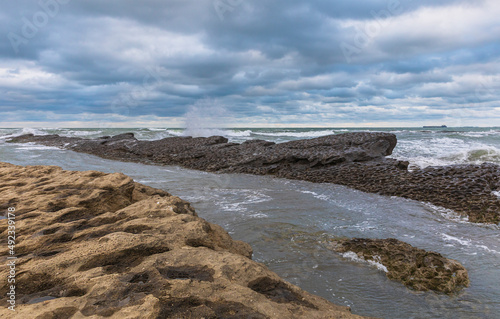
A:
278,62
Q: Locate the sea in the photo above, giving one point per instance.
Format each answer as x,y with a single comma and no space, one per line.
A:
288,222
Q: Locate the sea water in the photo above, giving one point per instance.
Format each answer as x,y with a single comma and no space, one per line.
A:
288,222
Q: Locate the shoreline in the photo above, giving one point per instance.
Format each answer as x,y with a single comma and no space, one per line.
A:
92,243
83,232
356,160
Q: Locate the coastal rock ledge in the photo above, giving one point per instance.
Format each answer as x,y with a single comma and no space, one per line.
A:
415,268
95,245
356,160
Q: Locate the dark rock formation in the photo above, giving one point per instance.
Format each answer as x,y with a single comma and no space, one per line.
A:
416,268
91,244
356,160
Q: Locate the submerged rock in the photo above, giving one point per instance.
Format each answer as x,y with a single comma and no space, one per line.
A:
416,268
91,244
357,160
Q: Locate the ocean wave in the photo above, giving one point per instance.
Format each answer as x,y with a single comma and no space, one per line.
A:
34,131
157,129
207,132
479,134
233,133
80,133
164,134
485,154
26,130
308,134
445,151
154,135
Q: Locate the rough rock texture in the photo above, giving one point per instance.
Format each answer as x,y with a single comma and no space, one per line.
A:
356,160
95,245
416,268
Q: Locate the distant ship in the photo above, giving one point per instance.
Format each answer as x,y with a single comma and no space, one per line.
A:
442,126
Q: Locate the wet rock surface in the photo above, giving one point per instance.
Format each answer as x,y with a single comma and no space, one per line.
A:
415,268
98,245
357,160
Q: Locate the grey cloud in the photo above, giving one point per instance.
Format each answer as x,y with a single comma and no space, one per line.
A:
284,55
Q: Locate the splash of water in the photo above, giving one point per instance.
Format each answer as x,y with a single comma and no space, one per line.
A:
205,118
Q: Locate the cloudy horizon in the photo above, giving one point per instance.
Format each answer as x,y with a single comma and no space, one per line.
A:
250,63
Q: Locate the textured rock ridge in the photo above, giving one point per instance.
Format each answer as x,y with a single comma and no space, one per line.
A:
98,245
216,154
416,268
356,160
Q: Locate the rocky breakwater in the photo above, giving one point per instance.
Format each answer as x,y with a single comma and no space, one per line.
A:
357,160
91,244
415,268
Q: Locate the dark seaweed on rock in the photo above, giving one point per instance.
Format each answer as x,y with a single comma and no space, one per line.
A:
415,268
357,160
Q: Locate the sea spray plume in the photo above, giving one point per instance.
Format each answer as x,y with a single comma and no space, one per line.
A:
205,118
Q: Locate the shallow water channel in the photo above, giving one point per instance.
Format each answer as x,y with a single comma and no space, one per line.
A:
287,221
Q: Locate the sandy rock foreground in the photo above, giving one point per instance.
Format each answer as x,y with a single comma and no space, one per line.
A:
94,245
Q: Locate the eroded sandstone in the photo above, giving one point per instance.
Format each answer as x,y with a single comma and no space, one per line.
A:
416,268
96,245
357,160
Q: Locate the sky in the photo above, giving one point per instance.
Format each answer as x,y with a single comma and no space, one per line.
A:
249,63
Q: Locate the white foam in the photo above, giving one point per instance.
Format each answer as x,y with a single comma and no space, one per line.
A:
316,195
206,132
448,213
463,242
259,215
496,193
233,207
480,134
158,134
24,131
176,132
310,192
157,129
375,262
203,132
257,198
468,243
233,133
146,181
484,247
34,131
33,146
445,151
81,133
238,200
309,134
